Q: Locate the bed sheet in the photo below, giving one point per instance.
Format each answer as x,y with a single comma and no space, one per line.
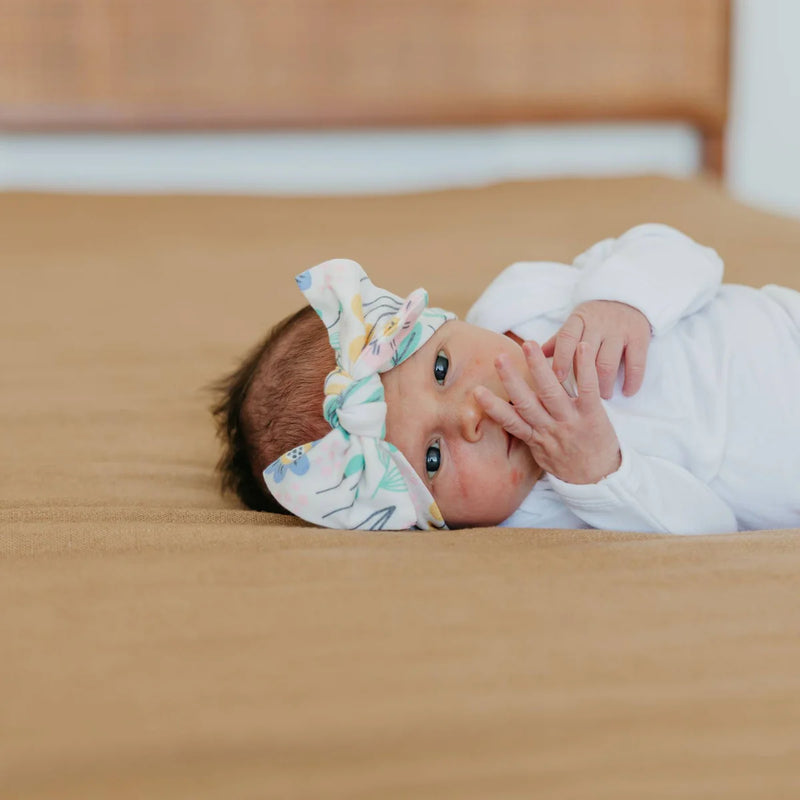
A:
159,640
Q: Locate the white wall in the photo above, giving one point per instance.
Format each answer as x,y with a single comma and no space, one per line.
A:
763,166
764,133
374,161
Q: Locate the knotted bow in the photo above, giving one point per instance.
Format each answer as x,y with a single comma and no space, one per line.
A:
353,477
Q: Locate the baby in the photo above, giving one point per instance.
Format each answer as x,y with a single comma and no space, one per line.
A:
429,421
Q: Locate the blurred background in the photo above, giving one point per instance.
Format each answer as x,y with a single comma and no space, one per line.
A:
763,128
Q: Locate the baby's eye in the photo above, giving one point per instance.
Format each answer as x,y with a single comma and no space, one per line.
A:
440,367
433,459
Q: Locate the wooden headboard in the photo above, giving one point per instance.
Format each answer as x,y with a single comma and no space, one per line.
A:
190,64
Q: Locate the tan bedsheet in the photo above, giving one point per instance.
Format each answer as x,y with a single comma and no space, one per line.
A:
158,641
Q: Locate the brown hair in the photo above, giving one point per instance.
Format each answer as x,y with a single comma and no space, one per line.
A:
271,403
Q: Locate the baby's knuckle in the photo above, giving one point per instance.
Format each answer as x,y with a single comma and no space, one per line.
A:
549,395
607,367
525,412
566,335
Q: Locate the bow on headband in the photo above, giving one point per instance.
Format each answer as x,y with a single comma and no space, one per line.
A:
353,477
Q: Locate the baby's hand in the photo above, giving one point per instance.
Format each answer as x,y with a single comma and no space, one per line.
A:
612,331
571,438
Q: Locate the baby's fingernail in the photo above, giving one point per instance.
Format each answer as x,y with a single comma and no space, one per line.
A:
560,374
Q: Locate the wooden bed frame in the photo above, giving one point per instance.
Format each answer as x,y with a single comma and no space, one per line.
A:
224,64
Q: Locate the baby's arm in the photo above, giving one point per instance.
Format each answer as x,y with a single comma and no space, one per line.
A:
650,277
654,268
574,441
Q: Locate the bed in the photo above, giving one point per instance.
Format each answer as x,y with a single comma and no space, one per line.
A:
161,641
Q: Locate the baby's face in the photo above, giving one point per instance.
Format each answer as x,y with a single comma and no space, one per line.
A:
477,473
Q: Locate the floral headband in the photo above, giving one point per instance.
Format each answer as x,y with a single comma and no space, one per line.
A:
352,477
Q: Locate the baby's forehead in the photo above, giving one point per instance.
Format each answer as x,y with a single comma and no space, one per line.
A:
454,333
447,331
455,330
460,340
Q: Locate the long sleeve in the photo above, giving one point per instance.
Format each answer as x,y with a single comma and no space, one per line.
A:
652,267
648,493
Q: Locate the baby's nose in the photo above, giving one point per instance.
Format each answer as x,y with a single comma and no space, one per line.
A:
469,417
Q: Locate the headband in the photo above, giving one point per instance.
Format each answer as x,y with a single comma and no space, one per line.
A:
352,477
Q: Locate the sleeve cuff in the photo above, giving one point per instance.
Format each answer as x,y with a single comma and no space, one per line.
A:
607,494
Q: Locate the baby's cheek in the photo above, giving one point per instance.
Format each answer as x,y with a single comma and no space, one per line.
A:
515,479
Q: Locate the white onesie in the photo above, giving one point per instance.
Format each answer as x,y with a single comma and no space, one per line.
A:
711,442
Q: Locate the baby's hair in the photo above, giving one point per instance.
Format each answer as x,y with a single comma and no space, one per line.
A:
271,403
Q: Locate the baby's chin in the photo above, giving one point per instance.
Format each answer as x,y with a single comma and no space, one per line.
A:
481,518
485,522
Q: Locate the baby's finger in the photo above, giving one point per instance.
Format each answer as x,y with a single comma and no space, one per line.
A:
549,347
525,400
635,360
588,383
609,357
552,395
566,340
503,414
